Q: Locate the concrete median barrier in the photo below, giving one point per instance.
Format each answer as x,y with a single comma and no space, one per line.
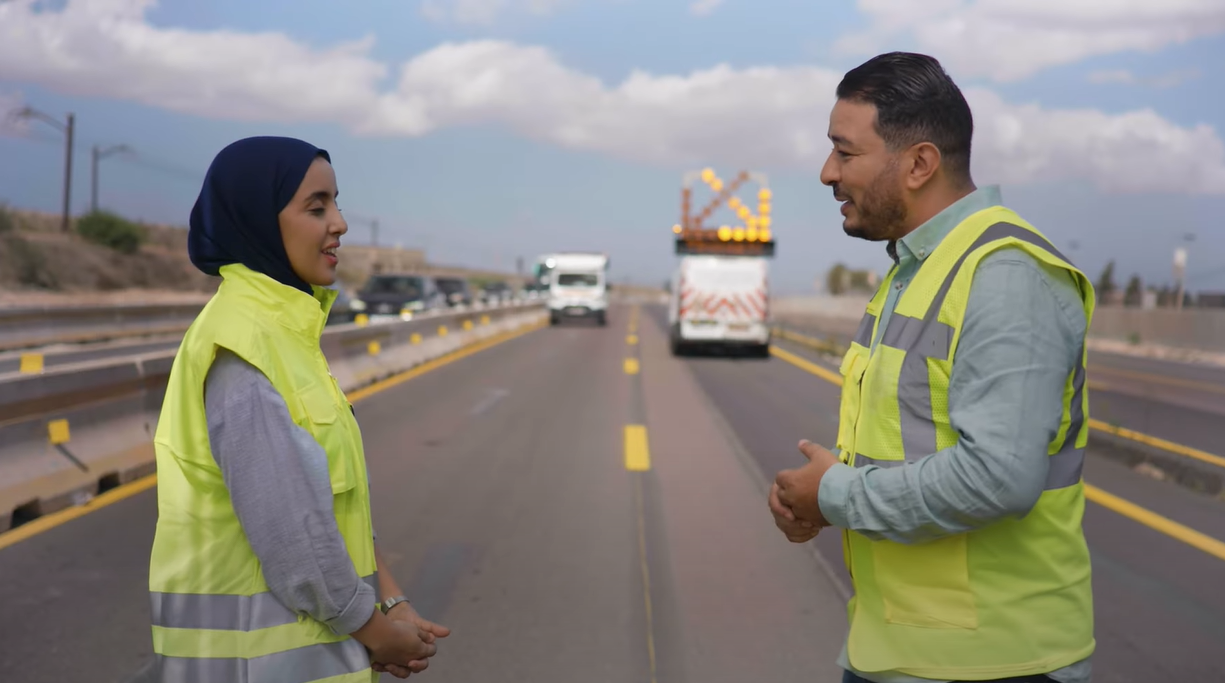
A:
74,431
39,326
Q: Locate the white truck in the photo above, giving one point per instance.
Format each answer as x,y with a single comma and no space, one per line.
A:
578,287
720,301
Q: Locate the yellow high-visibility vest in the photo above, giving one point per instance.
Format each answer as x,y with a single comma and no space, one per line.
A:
213,616
1010,599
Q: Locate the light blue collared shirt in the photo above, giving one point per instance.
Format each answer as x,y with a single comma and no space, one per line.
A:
1023,330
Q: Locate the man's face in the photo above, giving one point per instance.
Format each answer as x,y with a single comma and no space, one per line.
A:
864,174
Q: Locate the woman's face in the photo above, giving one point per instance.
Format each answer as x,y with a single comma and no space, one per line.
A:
311,226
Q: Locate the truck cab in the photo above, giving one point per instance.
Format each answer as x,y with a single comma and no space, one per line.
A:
578,287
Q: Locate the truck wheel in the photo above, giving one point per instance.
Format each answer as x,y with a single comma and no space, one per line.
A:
762,351
553,320
600,319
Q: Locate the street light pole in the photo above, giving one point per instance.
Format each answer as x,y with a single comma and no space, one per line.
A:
97,154
68,130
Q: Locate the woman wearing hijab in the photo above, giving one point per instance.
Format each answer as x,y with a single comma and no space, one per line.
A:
264,566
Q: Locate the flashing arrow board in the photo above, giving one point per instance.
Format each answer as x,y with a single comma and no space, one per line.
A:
699,244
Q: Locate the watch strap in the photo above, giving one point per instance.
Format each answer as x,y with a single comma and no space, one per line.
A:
392,602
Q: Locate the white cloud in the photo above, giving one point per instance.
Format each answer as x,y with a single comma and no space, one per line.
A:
701,8
482,12
765,117
1125,77
1008,40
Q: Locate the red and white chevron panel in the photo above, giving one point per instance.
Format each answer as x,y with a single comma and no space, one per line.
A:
747,306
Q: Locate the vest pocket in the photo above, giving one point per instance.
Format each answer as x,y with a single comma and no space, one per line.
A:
319,405
322,412
927,584
854,364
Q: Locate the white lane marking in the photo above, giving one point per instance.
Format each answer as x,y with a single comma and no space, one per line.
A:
488,402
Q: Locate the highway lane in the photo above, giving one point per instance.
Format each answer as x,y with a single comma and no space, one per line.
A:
502,498
1176,401
1160,604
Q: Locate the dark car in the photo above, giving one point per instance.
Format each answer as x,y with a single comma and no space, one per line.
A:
394,294
456,290
342,309
496,293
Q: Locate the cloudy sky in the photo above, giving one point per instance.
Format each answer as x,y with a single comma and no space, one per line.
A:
483,130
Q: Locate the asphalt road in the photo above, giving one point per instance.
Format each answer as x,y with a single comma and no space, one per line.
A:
1160,604
1171,400
503,499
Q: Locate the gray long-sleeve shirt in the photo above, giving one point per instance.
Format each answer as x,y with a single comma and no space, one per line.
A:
277,477
1023,331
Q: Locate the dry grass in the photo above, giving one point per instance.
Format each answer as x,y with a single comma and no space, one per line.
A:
39,264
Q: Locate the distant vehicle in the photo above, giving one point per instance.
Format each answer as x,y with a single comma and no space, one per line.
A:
578,287
719,295
390,295
496,294
720,301
456,290
342,309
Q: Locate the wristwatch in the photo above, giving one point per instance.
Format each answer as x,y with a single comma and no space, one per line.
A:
392,602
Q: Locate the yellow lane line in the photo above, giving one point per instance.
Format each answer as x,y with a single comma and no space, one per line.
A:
1123,507
48,522
637,450
379,387
805,364
1156,442
646,574
631,366
1155,521
1158,379
1098,425
631,339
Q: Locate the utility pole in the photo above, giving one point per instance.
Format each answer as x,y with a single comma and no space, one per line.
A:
68,130
96,155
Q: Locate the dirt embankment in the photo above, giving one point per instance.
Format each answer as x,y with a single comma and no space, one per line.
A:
40,264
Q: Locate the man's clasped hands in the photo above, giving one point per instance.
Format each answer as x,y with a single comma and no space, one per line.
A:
793,497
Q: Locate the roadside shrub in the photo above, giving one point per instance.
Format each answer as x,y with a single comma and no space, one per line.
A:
8,223
110,230
26,263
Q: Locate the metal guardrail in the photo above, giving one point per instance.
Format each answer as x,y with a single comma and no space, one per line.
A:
76,429
40,326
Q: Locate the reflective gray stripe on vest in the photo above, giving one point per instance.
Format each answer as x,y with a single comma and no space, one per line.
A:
929,338
225,612
863,336
1065,467
300,665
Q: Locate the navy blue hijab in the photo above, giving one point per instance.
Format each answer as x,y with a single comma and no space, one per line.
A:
235,216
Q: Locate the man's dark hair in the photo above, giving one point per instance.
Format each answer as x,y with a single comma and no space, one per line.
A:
916,101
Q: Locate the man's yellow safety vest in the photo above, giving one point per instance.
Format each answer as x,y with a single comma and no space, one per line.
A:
1010,599
213,616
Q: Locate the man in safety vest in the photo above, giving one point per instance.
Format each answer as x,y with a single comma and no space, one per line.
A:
963,422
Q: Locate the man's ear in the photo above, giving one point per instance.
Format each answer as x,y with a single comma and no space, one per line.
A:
923,161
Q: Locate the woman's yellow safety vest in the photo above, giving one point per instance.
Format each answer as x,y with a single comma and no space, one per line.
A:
213,616
1010,599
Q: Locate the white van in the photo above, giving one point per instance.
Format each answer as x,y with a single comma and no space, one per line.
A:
720,301
578,287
